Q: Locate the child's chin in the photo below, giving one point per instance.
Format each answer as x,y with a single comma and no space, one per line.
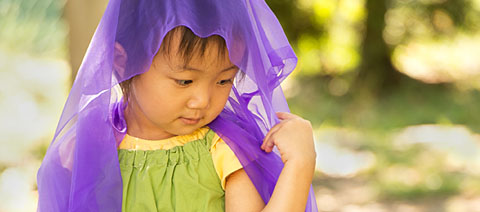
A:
187,129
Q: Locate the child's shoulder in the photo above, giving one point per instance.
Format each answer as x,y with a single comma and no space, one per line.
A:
224,159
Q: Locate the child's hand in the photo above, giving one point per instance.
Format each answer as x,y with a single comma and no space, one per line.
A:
293,137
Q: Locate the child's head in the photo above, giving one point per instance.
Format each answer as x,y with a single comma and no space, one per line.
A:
186,86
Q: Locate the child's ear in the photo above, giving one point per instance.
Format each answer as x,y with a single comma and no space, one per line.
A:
119,60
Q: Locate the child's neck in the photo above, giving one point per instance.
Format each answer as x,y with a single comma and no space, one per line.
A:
140,127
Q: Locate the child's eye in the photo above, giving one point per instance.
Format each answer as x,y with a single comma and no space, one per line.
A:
224,82
183,82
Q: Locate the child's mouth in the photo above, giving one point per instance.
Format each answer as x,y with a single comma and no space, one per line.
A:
189,121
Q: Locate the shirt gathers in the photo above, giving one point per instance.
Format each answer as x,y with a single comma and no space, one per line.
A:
181,173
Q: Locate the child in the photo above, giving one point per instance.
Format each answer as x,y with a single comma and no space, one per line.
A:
184,134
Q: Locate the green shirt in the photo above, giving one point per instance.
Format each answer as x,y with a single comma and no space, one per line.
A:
181,178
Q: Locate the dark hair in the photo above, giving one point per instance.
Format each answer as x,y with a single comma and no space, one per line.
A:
189,45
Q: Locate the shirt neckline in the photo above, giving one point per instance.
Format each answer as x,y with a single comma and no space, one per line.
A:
195,135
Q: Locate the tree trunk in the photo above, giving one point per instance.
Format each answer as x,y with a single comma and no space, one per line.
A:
83,17
376,74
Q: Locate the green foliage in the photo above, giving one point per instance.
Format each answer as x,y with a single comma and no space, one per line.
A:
33,26
325,33
405,106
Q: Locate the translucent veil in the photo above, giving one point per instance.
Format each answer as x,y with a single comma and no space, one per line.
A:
81,172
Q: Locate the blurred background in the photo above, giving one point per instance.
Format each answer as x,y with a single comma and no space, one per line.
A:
390,86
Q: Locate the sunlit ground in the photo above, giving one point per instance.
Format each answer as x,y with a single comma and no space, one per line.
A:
441,176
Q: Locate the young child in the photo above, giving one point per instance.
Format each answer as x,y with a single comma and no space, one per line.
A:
194,125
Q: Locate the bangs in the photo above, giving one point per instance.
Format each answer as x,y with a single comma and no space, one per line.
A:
191,45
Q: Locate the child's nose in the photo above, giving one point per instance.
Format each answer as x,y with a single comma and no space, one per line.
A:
199,100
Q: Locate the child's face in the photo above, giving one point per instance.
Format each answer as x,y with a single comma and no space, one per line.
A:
178,98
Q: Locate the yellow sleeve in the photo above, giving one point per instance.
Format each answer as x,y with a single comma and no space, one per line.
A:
224,159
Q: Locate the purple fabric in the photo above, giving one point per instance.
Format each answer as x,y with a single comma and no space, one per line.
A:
80,171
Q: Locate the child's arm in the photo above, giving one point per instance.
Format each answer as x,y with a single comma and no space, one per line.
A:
293,137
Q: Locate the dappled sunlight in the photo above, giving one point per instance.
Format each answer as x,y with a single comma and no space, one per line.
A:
442,162
35,80
338,160
17,188
462,147
463,203
33,92
446,60
337,51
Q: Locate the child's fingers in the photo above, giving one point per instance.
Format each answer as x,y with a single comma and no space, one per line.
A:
285,115
269,134
269,142
267,137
